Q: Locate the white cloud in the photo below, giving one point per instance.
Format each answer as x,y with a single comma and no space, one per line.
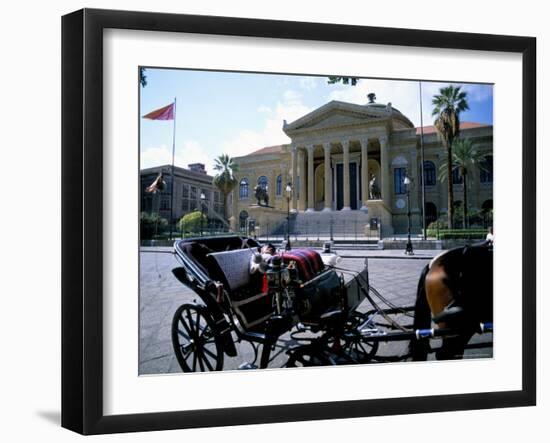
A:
478,93
271,133
404,95
308,83
188,152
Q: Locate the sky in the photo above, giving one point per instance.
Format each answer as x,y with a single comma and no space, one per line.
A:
238,113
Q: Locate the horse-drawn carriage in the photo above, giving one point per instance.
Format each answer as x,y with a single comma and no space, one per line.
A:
299,293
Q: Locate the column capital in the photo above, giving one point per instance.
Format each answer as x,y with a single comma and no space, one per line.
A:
310,148
327,146
383,139
345,144
364,142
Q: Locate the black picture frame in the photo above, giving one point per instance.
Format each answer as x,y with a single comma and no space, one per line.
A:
82,259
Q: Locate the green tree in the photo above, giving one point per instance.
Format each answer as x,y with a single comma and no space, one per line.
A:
191,223
465,158
448,105
225,179
151,225
344,80
142,77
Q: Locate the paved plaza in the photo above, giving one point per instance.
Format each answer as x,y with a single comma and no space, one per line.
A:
392,273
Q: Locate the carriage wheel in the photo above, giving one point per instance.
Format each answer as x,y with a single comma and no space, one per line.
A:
361,351
197,347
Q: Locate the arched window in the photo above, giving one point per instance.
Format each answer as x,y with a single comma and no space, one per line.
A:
486,170
429,173
430,213
262,181
398,181
243,189
457,178
279,188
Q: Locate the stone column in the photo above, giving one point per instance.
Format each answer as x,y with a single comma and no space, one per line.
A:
364,173
345,146
385,170
294,179
310,179
328,179
302,166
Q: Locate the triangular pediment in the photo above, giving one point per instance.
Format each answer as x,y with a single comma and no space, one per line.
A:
336,114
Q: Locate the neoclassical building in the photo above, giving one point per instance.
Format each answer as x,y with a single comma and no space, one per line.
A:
349,161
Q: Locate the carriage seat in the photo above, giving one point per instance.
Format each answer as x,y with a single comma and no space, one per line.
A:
308,262
233,268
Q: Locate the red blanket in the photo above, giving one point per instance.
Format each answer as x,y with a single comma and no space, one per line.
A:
308,262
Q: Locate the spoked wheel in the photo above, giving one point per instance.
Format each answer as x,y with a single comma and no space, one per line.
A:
196,345
357,347
359,350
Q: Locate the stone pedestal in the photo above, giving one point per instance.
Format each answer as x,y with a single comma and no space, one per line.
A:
266,218
378,209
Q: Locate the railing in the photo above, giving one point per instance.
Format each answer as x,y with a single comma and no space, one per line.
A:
308,230
315,230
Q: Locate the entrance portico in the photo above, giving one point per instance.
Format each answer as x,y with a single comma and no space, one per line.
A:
351,142
348,166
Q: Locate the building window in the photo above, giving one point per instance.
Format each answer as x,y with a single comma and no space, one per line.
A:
457,178
243,189
207,198
279,188
185,198
262,181
165,204
193,199
398,178
486,170
429,173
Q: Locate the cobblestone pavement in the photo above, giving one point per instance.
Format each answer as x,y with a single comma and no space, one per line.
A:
161,294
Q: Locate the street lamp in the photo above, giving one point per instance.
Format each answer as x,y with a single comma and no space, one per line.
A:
203,198
409,247
288,191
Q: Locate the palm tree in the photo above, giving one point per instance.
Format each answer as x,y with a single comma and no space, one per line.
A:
448,105
465,158
225,179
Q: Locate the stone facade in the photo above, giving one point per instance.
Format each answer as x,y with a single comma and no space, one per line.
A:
346,158
188,186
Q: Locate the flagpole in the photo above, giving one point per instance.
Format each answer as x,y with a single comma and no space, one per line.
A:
172,173
422,179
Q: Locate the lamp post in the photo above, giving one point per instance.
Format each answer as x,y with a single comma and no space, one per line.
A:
203,198
409,247
288,191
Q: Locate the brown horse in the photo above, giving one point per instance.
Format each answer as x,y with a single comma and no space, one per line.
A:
455,291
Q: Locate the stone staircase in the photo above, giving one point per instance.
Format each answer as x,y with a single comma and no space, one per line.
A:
350,225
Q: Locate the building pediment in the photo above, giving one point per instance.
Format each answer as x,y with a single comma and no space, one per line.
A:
337,114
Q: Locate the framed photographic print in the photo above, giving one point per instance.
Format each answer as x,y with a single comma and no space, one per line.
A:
278,212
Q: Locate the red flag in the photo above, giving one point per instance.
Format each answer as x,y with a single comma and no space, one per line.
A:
158,185
166,113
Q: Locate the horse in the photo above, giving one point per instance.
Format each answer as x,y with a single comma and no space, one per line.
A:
260,193
455,290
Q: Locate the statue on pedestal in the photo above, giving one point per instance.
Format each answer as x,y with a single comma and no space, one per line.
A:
260,194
